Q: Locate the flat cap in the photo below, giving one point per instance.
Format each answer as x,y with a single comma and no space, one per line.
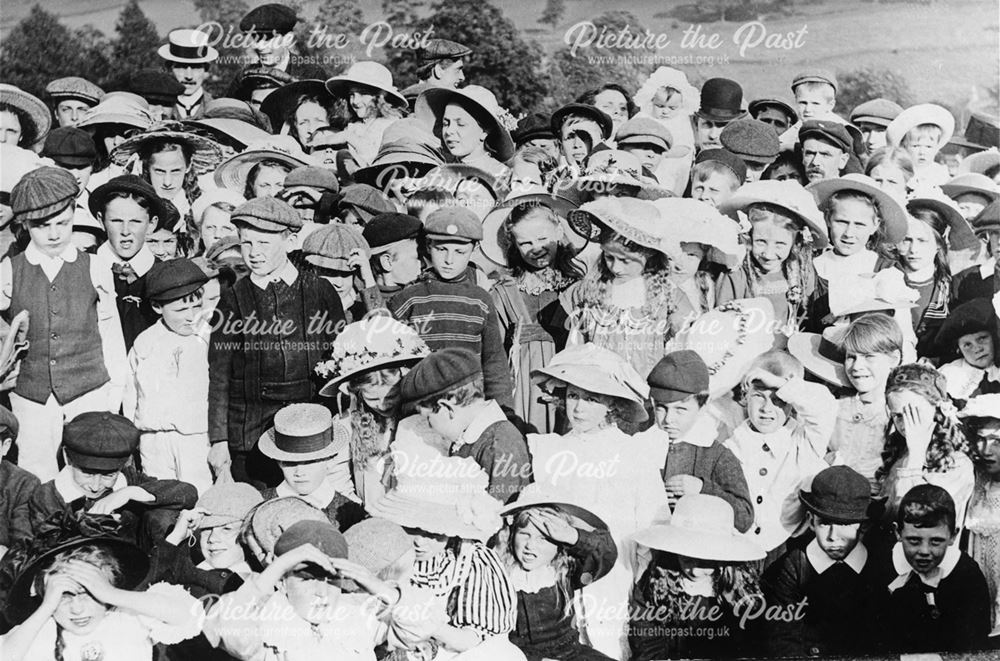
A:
272,18
439,373
321,534
385,229
644,130
43,193
70,147
100,441
330,246
267,214
156,86
173,279
453,223
815,76
751,139
313,177
677,376
531,127
442,49
366,200
828,131
727,158
877,111
757,105
227,502
74,87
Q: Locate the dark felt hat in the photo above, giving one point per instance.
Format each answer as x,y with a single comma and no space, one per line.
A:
828,131
267,214
271,18
74,87
973,316
591,112
677,376
988,219
453,223
532,127
386,229
100,441
43,193
70,147
156,86
173,279
727,158
126,183
838,494
441,372
721,100
752,140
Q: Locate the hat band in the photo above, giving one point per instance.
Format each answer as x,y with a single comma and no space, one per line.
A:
188,52
831,351
303,444
722,113
840,510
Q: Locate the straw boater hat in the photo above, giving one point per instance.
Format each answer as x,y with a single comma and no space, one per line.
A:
37,115
366,74
694,221
894,219
924,113
481,104
871,292
822,354
544,495
960,236
233,172
303,432
597,370
496,237
205,153
636,220
728,339
701,527
376,343
187,46
788,195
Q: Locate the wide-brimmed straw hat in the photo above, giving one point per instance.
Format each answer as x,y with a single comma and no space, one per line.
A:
822,354
205,153
788,195
636,220
597,370
496,235
971,182
960,236
728,339
980,162
303,432
894,218
119,108
481,103
233,172
366,74
379,342
39,119
871,292
694,221
923,113
701,527
544,495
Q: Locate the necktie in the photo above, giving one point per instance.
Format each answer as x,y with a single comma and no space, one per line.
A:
124,272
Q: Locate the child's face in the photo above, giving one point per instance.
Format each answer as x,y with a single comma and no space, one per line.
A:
784,172
127,224
524,173
987,448
215,224
181,316
837,540
665,104
304,477
924,548
648,155
531,548
166,173
537,240
53,236
970,204
897,401
449,259
405,262
624,265
269,181
677,418
162,243
578,139
689,261
264,252
78,612
380,390
363,103
460,132
426,545
443,421
770,244
814,102
312,599
755,170
873,136
869,372
890,179
342,283
922,147
549,145
918,248
776,117
586,411
766,411
852,223
714,189
308,117
977,349
822,160
220,545
94,484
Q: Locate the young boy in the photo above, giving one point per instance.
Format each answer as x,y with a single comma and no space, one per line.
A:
448,310
270,329
840,587
166,395
394,242
16,487
311,451
784,439
939,601
716,175
696,460
99,479
815,94
76,358
922,130
446,388
754,142
646,139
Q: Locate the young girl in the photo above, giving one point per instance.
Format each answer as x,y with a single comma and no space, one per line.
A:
670,99
86,607
971,332
922,256
260,170
627,304
785,228
601,391
375,103
702,579
211,213
551,550
528,234
892,170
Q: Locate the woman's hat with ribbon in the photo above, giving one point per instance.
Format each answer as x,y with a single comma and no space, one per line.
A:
701,527
789,195
303,432
871,292
637,221
479,102
366,74
694,221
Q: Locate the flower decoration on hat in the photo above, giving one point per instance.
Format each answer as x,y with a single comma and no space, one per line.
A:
507,119
374,343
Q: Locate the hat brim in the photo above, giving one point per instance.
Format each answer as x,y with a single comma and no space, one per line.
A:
781,105
278,104
587,378
602,119
720,114
806,498
234,130
382,175
956,190
124,119
876,305
914,116
581,515
336,386
37,112
493,224
805,348
232,174
894,217
211,55
961,236
740,201
175,293
437,98
980,162
338,85
700,544
205,154
340,437
99,197
435,518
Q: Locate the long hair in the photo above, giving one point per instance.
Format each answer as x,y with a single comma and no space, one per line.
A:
368,426
877,238
564,564
735,583
797,267
656,261
162,145
938,225
565,261
255,172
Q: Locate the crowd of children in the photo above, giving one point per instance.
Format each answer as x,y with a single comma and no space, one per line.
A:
326,369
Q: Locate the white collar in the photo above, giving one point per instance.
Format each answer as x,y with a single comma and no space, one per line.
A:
70,490
141,262
36,257
189,102
241,568
286,274
532,581
831,264
489,414
986,268
702,434
820,561
702,585
941,572
320,498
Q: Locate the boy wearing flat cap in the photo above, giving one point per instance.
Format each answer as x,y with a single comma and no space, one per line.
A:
76,358
841,586
754,141
441,63
815,93
73,149
395,258
648,140
166,394
71,98
100,478
696,461
872,118
269,330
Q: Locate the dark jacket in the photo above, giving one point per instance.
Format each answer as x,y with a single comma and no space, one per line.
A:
503,453
16,488
720,472
970,284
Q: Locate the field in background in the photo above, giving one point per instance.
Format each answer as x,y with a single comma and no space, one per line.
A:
943,48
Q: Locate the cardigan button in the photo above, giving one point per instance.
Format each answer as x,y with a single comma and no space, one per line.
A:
52,362
760,499
586,578
813,651
763,472
756,530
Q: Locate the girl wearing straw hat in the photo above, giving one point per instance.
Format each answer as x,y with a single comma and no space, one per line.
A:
601,391
374,102
24,119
